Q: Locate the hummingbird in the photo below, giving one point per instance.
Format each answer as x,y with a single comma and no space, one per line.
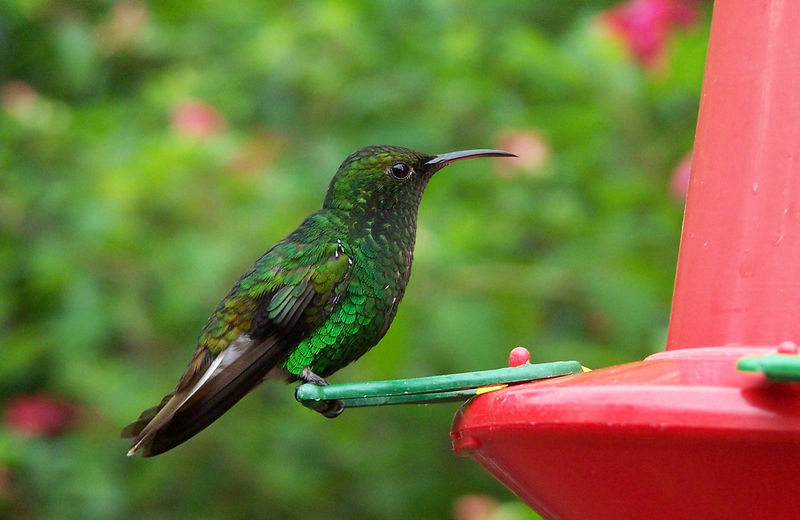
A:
313,303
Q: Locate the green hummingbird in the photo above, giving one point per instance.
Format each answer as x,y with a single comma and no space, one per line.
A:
316,301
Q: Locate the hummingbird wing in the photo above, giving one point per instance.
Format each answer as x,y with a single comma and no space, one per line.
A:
276,303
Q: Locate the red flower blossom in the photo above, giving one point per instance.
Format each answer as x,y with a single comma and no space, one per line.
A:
39,415
644,25
195,118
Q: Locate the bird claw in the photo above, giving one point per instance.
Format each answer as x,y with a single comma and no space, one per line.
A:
307,376
328,408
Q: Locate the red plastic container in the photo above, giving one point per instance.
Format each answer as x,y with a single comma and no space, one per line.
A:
738,278
683,434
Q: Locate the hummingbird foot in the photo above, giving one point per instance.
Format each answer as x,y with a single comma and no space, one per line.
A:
307,376
329,409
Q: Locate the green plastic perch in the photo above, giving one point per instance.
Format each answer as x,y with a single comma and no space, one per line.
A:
784,368
450,387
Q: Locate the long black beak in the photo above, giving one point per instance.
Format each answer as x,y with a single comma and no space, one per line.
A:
444,159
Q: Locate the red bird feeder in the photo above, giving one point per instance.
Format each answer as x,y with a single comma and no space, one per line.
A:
684,433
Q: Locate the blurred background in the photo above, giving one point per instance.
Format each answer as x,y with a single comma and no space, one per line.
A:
150,151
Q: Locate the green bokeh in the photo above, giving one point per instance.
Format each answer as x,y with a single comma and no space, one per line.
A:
119,233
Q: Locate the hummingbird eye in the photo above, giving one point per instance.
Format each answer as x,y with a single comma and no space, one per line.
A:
400,170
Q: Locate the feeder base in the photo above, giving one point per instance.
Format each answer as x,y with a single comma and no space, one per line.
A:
682,434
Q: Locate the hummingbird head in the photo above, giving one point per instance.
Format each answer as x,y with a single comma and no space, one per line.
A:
383,179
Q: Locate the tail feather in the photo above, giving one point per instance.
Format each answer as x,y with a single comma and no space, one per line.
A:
182,414
134,428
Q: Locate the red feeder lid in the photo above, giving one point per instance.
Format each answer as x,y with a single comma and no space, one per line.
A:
682,434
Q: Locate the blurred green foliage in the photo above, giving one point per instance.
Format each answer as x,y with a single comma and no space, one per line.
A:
150,151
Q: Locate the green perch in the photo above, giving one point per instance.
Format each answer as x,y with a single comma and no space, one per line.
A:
450,387
784,368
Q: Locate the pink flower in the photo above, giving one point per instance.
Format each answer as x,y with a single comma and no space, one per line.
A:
196,118
474,507
531,149
679,183
644,25
39,415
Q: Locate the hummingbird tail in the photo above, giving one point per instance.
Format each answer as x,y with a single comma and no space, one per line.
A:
183,413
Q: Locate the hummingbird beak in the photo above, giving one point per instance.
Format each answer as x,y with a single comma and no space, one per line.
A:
442,160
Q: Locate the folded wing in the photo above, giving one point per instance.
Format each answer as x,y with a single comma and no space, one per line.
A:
276,303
